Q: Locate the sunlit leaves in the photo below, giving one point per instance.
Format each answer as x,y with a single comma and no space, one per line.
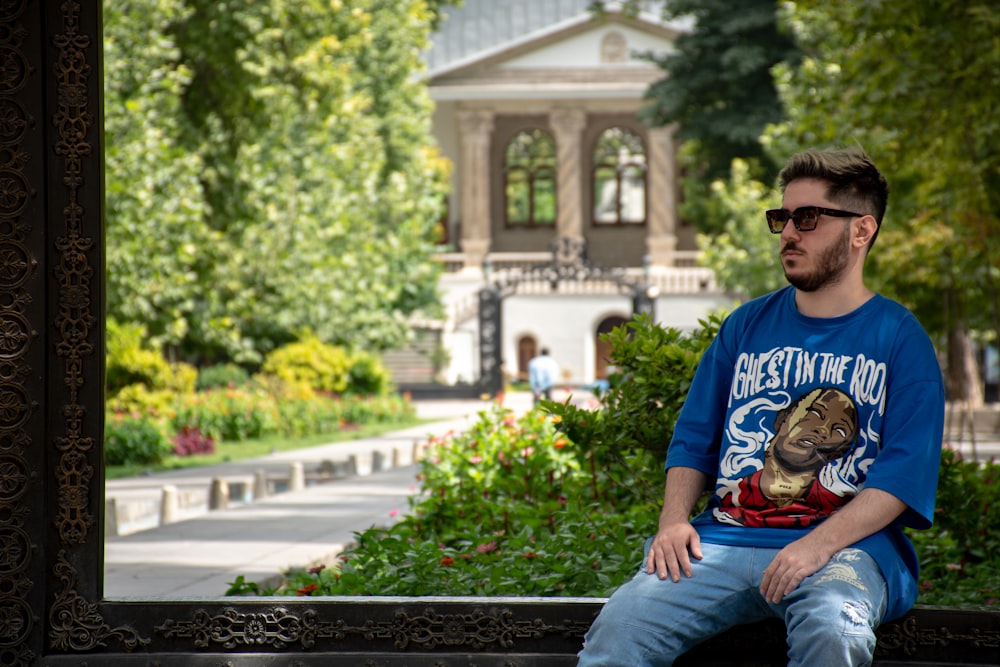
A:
269,172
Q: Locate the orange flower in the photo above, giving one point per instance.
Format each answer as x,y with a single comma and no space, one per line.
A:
307,589
560,443
447,561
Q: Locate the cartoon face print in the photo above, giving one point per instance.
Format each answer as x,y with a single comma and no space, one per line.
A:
819,427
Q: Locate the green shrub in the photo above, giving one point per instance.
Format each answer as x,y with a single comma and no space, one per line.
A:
129,361
368,375
626,439
385,409
960,554
310,361
182,379
134,441
222,376
138,399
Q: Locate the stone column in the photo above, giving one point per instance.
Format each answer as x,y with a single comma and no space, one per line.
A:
661,236
476,129
567,124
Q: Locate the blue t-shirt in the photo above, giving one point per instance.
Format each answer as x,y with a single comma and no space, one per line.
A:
795,415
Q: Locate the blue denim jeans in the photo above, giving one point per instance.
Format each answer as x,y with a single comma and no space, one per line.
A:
831,617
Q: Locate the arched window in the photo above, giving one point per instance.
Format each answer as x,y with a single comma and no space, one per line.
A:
619,178
530,180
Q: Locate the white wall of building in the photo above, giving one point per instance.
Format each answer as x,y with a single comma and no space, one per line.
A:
565,324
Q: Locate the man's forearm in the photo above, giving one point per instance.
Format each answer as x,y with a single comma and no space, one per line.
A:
869,512
683,488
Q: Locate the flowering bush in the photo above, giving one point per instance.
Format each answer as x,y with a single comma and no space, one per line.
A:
227,414
508,510
190,441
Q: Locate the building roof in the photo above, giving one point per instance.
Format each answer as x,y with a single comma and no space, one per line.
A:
482,29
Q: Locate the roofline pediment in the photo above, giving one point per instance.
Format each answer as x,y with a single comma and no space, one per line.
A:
578,25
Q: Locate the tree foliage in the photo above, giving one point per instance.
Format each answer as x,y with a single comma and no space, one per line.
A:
910,82
913,83
270,171
718,85
744,254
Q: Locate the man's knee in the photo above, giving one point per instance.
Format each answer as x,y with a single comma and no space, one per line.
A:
836,611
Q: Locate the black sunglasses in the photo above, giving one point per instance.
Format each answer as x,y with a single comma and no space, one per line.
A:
805,218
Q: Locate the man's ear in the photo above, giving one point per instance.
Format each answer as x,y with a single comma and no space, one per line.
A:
866,230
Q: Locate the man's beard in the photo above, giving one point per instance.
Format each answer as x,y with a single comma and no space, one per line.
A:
830,266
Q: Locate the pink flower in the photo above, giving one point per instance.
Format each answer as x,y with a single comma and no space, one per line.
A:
476,460
489,547
393,513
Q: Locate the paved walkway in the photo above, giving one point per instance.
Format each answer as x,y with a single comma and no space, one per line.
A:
202,553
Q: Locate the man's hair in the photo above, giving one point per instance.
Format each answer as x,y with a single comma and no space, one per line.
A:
855,181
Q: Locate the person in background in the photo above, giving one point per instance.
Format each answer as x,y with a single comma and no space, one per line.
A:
543,371
815,421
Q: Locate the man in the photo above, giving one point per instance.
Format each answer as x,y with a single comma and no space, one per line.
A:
542,374
805,524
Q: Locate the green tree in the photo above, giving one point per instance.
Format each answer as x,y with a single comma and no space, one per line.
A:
744,254
281,178
913,82
718,86
156,231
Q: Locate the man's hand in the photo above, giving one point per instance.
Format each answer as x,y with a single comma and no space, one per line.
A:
672,549
868,512
792,564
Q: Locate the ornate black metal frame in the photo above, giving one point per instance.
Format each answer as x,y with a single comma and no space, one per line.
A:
52,609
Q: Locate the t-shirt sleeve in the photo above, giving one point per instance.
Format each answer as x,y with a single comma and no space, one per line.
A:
698,431
910,457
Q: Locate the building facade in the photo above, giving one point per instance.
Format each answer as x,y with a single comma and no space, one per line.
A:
537,106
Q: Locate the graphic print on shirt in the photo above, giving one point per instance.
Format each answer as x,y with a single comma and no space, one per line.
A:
800,436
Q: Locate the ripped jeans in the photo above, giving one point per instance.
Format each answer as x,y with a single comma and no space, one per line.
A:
831,617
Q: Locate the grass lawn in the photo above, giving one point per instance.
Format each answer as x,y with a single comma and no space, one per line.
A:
250,449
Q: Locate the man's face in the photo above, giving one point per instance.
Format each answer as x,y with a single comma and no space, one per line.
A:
818,258
820,429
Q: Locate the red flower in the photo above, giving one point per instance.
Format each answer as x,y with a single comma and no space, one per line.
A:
317,569
447,561
307,589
